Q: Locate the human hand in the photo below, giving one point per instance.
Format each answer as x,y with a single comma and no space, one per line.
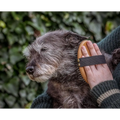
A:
95,73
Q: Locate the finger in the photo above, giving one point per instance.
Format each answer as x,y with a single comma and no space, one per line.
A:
91,48
85,53
98,53
88,72
97,49
93,53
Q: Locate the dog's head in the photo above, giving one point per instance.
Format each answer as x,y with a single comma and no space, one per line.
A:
52,53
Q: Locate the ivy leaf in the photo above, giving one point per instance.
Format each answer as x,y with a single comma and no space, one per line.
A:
12,86
10,100
11,39
109,26
25,79
31,96
5,16
96,29
28,105
15,58
2,24
1,36
29,30
15,55
22,93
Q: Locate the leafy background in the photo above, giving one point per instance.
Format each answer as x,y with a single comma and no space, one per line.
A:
19,29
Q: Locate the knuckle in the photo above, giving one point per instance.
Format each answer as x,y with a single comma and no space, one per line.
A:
85,54
87,69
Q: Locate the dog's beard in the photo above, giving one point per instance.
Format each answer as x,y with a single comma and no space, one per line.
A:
43,73
42,78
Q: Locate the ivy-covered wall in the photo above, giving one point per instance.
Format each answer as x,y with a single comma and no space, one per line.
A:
19,29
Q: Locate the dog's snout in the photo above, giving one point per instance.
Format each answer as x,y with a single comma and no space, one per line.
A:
30,69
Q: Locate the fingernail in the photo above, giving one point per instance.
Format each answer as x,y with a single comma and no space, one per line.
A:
95,44
89,43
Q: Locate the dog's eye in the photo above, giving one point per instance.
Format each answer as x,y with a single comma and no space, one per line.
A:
43,49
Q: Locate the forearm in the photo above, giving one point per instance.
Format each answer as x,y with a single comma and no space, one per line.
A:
107,94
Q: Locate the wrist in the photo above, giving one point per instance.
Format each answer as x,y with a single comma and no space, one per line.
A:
93,84
105,92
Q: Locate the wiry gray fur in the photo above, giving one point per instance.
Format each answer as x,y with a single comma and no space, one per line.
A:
54,58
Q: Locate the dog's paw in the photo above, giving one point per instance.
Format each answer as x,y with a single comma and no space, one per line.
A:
116,57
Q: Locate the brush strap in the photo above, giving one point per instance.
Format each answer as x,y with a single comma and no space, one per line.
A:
92,60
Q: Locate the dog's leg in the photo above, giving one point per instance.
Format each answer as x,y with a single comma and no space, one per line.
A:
112,59
115,57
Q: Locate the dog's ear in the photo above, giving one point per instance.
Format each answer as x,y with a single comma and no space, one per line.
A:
73,39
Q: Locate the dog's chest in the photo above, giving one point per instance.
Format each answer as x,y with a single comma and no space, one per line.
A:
67,95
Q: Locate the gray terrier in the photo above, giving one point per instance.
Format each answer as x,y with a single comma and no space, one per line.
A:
53,57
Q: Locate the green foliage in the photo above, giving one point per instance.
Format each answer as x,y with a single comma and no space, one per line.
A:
18,30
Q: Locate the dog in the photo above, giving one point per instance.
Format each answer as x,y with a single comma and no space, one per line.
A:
53,58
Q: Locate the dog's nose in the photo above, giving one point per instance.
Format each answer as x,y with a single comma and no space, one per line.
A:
30,69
